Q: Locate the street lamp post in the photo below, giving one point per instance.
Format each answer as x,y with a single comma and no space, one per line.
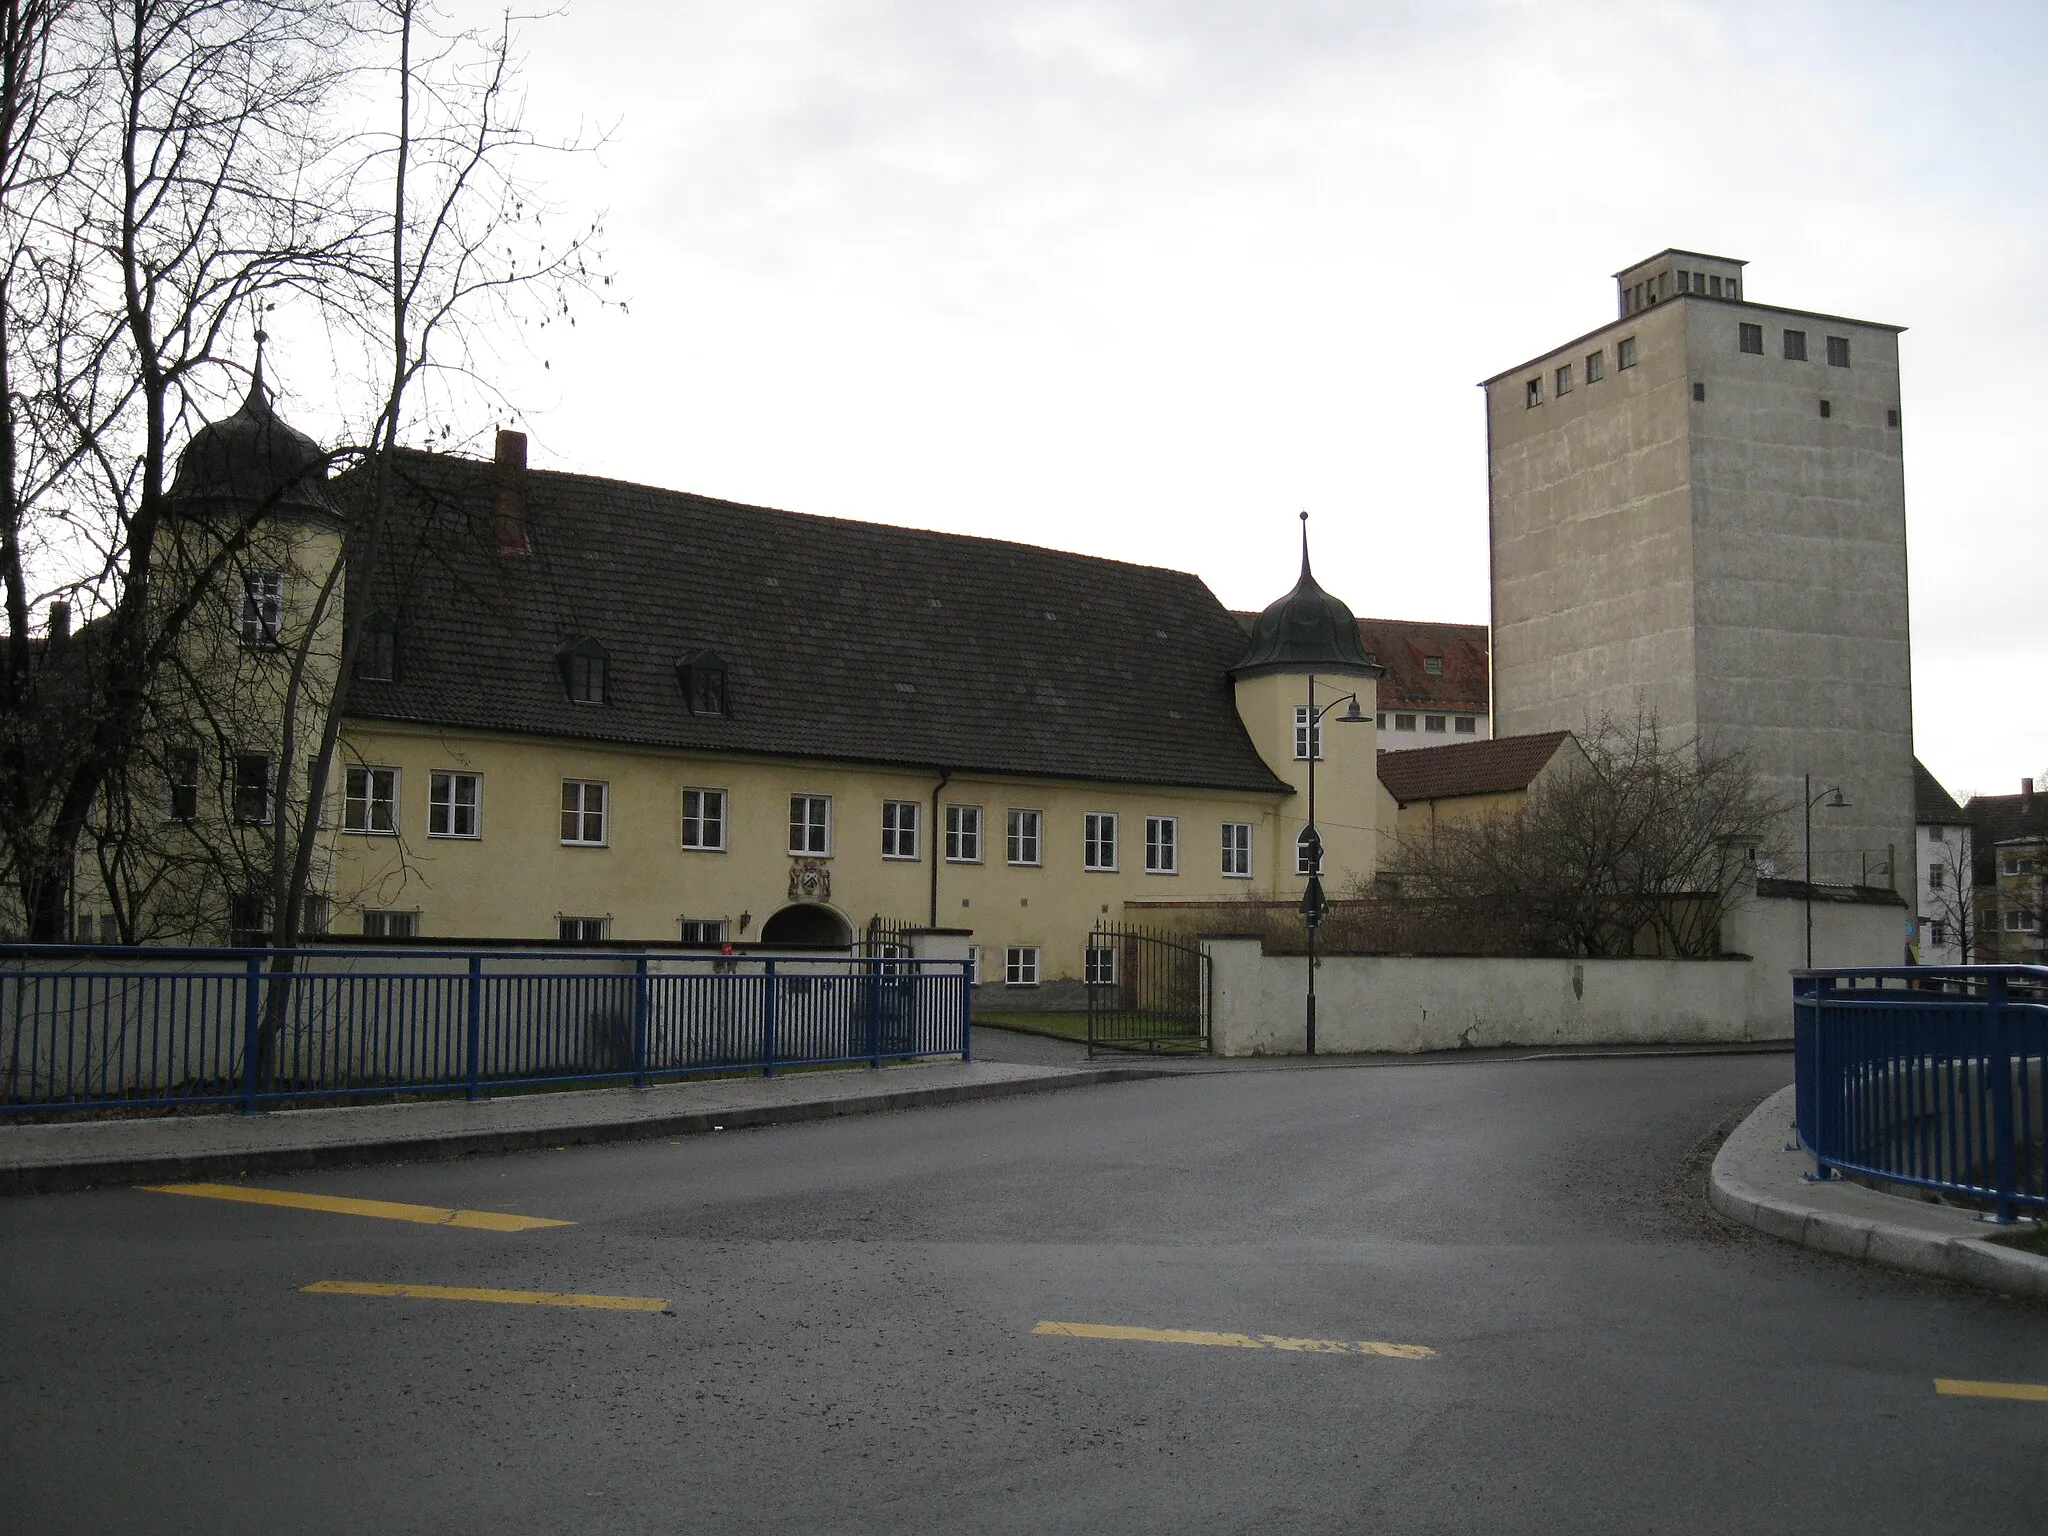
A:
1314,904
1836,803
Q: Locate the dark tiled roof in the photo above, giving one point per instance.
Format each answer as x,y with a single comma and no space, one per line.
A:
844,640
1496,767
1403,646
1996,819
1934,806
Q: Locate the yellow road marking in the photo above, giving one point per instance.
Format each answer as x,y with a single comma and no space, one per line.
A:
1237,1340
386,1210
2023,1390
477,1293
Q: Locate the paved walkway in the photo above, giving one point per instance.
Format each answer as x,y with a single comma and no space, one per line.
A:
1760,1183
80,1154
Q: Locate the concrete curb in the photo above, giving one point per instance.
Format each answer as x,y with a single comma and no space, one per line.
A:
1758,1183
57,1177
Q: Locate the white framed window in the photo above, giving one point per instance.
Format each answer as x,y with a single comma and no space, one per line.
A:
584,930
369,801
2019,920
1404,722
704,820
701,930
2015,865
181,771
455,804
1023,837
1020,965
1162,845
963,834
262,616
1237,849
391,925
252,788
1306,726
1937,932
974,965
584,807
1934,876
1434,723
899,829
1938,833
810,825
1098,840
1098,966
1307,851
1466,725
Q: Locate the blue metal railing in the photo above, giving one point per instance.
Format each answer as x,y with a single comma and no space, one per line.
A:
92,1027
1927,1075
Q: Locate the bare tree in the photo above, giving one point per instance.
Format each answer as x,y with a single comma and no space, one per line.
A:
1641,847
207,165
176,170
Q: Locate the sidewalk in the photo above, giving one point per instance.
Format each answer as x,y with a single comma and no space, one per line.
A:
36,1159
1757,1182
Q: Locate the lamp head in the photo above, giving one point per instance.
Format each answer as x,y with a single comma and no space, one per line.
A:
1836,802
1353,715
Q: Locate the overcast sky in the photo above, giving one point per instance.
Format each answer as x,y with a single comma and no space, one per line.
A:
1143,278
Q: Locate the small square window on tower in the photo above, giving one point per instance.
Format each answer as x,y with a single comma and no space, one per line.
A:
1750,337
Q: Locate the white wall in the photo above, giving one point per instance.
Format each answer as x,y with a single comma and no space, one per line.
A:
1413,1003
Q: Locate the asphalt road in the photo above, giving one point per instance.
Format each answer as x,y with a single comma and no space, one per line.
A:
852,1336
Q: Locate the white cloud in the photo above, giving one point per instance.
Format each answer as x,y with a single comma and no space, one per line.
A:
1145,278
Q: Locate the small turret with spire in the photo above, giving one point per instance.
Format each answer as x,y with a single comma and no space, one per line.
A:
1308,630
253,459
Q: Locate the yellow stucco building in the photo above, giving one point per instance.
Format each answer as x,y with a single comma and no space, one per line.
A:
590,711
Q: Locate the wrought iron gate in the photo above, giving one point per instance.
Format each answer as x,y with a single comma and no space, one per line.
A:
1147,991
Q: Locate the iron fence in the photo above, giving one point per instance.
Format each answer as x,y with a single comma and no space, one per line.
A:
1147,991
1930,1076
87,1027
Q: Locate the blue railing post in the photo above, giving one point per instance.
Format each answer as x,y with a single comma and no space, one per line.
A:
2001,1061
474,1025
768,1020
966,1009
252,1030
874,981
640,1023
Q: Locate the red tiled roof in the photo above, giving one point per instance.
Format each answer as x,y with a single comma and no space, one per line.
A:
1403,647
1496,767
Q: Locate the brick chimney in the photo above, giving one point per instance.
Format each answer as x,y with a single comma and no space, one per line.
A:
511,487
2026,796
60,624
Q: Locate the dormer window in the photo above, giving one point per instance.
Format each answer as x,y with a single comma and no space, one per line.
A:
377,652
704,684
586,670
1433,665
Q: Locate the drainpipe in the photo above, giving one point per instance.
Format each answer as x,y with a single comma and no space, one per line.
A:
945,776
